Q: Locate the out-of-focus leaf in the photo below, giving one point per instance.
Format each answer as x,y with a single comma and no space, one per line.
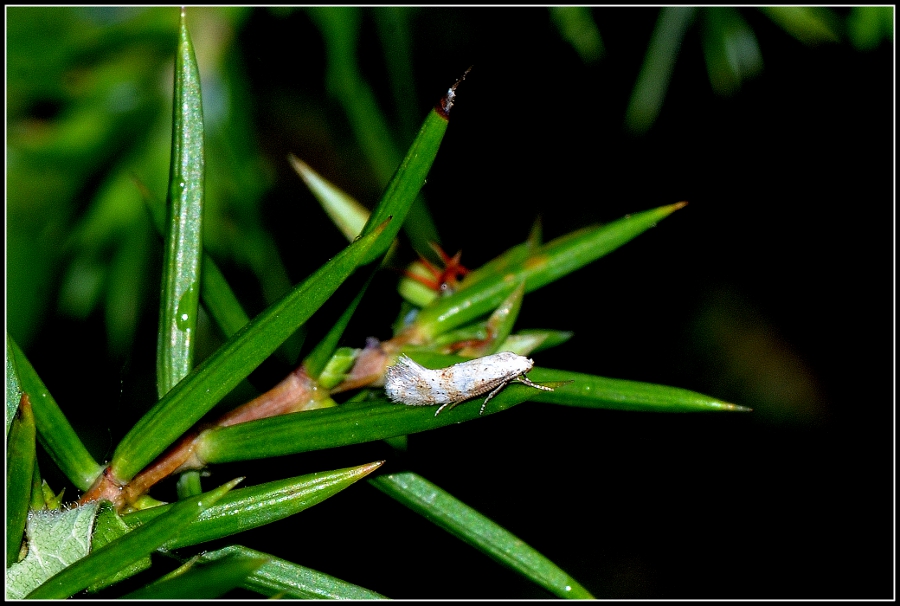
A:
656,71
809,24
344,211
404,186
730,47
123,301
100,78
577,26
868,26
396,32
340,28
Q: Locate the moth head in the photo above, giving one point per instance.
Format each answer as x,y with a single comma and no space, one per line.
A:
514,362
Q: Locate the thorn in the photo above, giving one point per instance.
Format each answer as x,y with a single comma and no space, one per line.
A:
445,280
446,103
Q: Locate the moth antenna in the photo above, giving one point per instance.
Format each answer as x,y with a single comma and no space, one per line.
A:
529,383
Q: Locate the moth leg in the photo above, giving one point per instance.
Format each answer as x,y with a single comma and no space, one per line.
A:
526,381
443,406
491,395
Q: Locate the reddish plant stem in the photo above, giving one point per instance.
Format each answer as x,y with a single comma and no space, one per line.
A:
180,457
296,392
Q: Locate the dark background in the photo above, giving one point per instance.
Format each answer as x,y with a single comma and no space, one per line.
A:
771,289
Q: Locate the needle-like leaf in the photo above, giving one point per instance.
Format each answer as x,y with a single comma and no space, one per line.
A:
127,549
54,431
254,506
184,229
457,518
233,361
538,268
192,582
279,577
20,461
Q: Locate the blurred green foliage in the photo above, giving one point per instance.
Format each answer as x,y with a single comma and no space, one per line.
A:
89,106
88,111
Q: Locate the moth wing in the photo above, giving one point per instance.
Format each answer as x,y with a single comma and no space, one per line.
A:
409,383
407,361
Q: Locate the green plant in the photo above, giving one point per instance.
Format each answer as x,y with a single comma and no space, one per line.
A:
117,527
730,48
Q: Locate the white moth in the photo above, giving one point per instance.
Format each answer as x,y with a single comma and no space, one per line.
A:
410,383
